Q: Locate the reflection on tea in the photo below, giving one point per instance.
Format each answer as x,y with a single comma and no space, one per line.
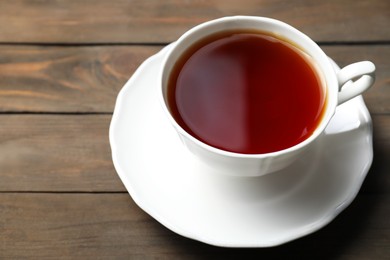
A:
246,92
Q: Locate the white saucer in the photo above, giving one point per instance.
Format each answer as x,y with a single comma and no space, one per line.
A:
198,202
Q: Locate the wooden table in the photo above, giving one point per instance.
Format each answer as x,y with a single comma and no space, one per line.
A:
62,64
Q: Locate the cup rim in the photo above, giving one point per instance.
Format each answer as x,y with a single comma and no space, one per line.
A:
331,101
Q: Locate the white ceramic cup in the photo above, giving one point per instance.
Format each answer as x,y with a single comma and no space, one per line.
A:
360,76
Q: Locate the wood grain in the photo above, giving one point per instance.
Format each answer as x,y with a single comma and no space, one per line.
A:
65,79
88,79
137,21
90,226
55,153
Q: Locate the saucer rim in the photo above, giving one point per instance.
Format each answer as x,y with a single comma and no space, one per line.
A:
304,231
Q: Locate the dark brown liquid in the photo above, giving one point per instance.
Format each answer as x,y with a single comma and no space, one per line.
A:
246,93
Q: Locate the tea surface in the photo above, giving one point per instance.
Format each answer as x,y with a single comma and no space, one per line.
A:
246,93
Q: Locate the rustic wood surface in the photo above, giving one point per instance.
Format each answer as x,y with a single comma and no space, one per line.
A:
62,64
139,21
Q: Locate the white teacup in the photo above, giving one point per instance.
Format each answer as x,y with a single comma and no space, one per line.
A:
360,76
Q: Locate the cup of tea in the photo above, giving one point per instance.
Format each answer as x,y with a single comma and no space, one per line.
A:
250,94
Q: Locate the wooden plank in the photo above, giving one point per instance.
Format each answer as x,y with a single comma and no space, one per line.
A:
154,21
56,153
88,79
66,79
112,226
72,153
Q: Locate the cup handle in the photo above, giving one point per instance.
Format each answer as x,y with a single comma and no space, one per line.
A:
362,77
